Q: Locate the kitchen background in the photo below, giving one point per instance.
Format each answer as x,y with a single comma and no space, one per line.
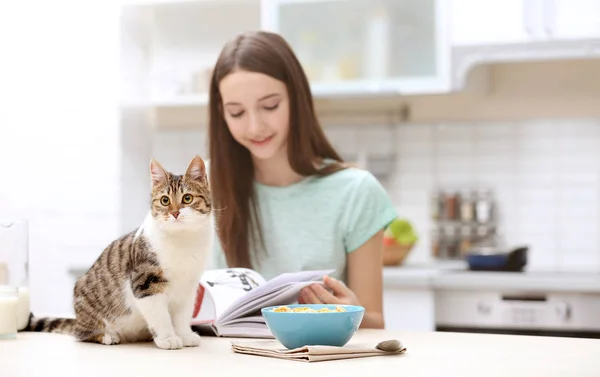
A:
489,96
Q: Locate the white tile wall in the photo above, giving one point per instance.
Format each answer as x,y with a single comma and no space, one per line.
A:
544,173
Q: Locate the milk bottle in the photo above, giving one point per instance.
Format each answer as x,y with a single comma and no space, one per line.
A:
14,265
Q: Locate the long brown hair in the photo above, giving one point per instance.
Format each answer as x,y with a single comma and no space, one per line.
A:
231,168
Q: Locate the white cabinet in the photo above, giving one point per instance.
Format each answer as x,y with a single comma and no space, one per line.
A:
408,298
409,308
478,22
573,19
488,22
352,47
490,31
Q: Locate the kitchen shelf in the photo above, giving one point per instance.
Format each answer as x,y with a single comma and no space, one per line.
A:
169,48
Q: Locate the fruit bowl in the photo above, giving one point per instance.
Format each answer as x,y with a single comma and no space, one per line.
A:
399,239
394,254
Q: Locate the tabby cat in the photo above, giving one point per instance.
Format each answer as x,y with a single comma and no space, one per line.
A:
143,286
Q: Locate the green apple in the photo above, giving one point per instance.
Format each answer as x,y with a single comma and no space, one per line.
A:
401,231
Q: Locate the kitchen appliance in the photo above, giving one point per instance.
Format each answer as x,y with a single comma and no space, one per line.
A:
521,306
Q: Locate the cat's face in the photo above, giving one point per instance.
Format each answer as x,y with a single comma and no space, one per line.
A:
180,202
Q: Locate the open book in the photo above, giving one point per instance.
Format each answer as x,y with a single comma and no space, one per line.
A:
229,300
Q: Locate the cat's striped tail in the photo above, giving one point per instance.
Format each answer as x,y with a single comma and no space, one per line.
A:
54,325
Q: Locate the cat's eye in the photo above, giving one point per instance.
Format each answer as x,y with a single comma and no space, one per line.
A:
165,200
187,199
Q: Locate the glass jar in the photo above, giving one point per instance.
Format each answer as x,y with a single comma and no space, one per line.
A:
14,264
449,242
484,207
466,206
436,205
435,243
466,240
451,206
9,311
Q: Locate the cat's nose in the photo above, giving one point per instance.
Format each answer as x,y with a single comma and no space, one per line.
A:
175,214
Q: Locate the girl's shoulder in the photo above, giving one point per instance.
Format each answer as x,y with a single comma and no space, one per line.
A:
364,205
351,179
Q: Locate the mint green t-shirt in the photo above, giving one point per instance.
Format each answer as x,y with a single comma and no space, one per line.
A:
315,223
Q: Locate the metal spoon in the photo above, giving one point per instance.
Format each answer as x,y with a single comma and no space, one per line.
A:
391,345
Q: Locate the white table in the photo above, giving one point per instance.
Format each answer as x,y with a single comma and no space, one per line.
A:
428,354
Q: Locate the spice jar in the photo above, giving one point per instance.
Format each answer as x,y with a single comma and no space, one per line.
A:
450,206
485,236
436,207
451,242
483,207
435,243
466,240
467,208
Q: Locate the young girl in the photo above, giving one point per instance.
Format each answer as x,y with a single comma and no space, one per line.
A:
284,198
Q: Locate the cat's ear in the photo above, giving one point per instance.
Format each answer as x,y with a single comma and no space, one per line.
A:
196,170
157,173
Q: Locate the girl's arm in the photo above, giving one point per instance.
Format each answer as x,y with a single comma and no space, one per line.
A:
365,286
369,212
365,280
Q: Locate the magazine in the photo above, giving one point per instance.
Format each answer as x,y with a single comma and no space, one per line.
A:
229,300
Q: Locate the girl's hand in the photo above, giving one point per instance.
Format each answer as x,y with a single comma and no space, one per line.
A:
318,294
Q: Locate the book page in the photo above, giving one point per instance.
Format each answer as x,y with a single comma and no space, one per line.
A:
280,285
287,294
249,327
221,288
251,319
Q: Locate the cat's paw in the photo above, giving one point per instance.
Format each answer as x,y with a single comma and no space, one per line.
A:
110,339
172,342
190,339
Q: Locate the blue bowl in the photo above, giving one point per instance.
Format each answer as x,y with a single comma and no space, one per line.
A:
294,329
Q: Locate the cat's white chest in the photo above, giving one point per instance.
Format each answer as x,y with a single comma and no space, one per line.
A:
182,259
182,263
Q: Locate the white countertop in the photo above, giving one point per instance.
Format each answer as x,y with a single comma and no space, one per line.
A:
428,354
454,275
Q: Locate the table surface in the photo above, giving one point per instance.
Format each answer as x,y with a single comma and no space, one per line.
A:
428,354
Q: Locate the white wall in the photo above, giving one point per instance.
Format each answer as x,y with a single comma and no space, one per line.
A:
544,174
59,137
